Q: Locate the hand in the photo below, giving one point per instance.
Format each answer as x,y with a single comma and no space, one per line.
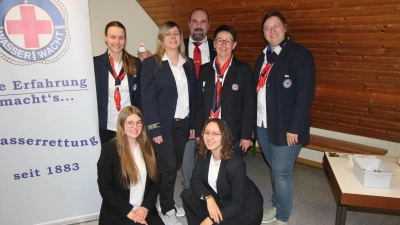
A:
245,144
138,215
158,139
292,139
207,221
213,210
191,136
198,140
143,55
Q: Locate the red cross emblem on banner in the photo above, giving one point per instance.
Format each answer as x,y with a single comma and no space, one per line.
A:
29,26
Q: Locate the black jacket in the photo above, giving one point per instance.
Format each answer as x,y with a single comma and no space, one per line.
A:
102,67
115,206
237,194
237,99
288,107
160,96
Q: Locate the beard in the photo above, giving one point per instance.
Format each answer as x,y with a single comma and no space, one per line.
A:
199,36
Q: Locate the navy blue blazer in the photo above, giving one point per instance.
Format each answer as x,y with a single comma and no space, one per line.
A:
290,91
160,96
210,42
236,194
115,205
102,67
237,99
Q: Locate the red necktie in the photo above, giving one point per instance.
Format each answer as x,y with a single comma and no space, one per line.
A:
118,79
197,57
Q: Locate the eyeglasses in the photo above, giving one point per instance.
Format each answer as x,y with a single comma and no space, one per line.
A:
220,41
131,124
276,27
208,134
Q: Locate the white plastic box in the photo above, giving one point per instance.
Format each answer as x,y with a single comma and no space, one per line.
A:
372,173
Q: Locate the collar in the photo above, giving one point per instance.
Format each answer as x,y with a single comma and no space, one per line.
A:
180,63
278,49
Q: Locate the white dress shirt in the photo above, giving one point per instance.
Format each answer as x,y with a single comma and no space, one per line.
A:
182,105
204,49
137,191
112,112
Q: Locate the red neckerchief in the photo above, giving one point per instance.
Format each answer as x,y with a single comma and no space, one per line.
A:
215,110
118,78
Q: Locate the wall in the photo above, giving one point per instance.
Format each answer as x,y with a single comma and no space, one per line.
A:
355,46
140,27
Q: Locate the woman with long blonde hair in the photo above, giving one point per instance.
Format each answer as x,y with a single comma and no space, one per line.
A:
128,174
168,104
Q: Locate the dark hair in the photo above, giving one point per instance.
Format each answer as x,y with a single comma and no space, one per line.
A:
280,17
199,9
128,61
227,149
227,28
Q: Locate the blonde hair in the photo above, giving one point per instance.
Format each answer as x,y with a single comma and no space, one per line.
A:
160,51
129,170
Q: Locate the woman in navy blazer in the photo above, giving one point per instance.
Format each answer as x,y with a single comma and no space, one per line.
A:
220,190
284,78
128,174
236,94
128,86
168,81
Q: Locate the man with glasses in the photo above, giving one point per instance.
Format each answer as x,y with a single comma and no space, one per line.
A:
201,50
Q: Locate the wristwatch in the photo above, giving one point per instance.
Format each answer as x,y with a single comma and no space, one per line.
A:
206,196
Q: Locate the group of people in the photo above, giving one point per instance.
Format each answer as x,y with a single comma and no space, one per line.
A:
192,95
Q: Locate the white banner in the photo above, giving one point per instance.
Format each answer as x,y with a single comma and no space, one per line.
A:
49,143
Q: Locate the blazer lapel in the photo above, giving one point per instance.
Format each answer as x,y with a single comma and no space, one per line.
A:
231,72
188,72
106,60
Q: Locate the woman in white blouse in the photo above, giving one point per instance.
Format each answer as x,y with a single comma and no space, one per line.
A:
220,190
128,174
168,81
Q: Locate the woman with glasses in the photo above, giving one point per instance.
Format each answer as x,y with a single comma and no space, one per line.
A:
168,103
128,175
220,190
284,78
225,91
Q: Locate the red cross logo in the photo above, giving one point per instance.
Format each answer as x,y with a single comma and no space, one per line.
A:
29,26
287,83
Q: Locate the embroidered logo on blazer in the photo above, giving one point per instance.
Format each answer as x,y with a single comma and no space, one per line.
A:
287,83
235,87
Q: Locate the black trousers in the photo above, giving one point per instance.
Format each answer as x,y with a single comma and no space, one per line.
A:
196,211
170,156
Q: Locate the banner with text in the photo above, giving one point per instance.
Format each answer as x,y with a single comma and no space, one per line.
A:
49,143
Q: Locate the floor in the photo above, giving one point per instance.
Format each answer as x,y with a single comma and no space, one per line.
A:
313,201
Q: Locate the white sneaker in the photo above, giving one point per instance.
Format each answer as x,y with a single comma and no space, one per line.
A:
170,218
180,212
269,217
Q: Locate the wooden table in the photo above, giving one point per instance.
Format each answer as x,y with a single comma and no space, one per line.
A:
350,192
